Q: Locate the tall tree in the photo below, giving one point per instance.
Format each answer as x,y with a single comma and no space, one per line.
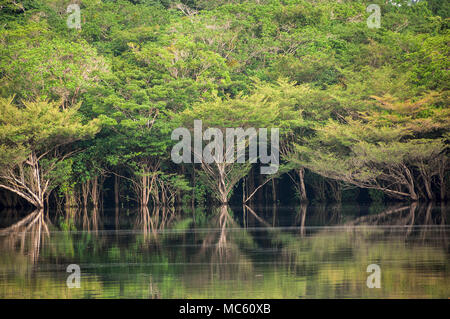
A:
33,145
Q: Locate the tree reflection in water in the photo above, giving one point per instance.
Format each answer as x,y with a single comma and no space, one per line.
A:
26,235
151,224
317,251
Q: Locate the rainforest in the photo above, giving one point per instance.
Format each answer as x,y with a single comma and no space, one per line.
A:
96,94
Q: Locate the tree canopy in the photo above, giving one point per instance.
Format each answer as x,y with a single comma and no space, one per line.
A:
356,106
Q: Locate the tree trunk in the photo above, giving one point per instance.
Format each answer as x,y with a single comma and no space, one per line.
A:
274,191
243,191
427,184
336,190
301,186
443,188
441,169
410,183
223,193
193,188
259,194
70,199
318,185
116,191
27,184
251,185
85,194
94,192
144,184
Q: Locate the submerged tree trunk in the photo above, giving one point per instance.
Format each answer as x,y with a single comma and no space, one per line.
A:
274,191
298,178
144,194
222,187
144,183
251,186
318,185
302,189
427,184
442,165
410,183
70,199
95,192
336,190
85,194
116,191
26,181
193,188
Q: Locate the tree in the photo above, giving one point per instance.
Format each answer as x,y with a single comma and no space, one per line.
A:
268,107
37,63
380,149
33,145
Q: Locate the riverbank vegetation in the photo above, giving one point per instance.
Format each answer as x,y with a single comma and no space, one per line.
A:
86,114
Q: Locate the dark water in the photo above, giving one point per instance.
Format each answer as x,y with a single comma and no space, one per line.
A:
299,252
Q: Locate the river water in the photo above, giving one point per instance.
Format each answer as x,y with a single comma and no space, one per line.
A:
316,251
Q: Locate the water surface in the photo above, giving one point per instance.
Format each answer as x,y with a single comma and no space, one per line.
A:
319,251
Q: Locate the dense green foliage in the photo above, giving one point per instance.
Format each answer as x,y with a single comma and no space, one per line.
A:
358,107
